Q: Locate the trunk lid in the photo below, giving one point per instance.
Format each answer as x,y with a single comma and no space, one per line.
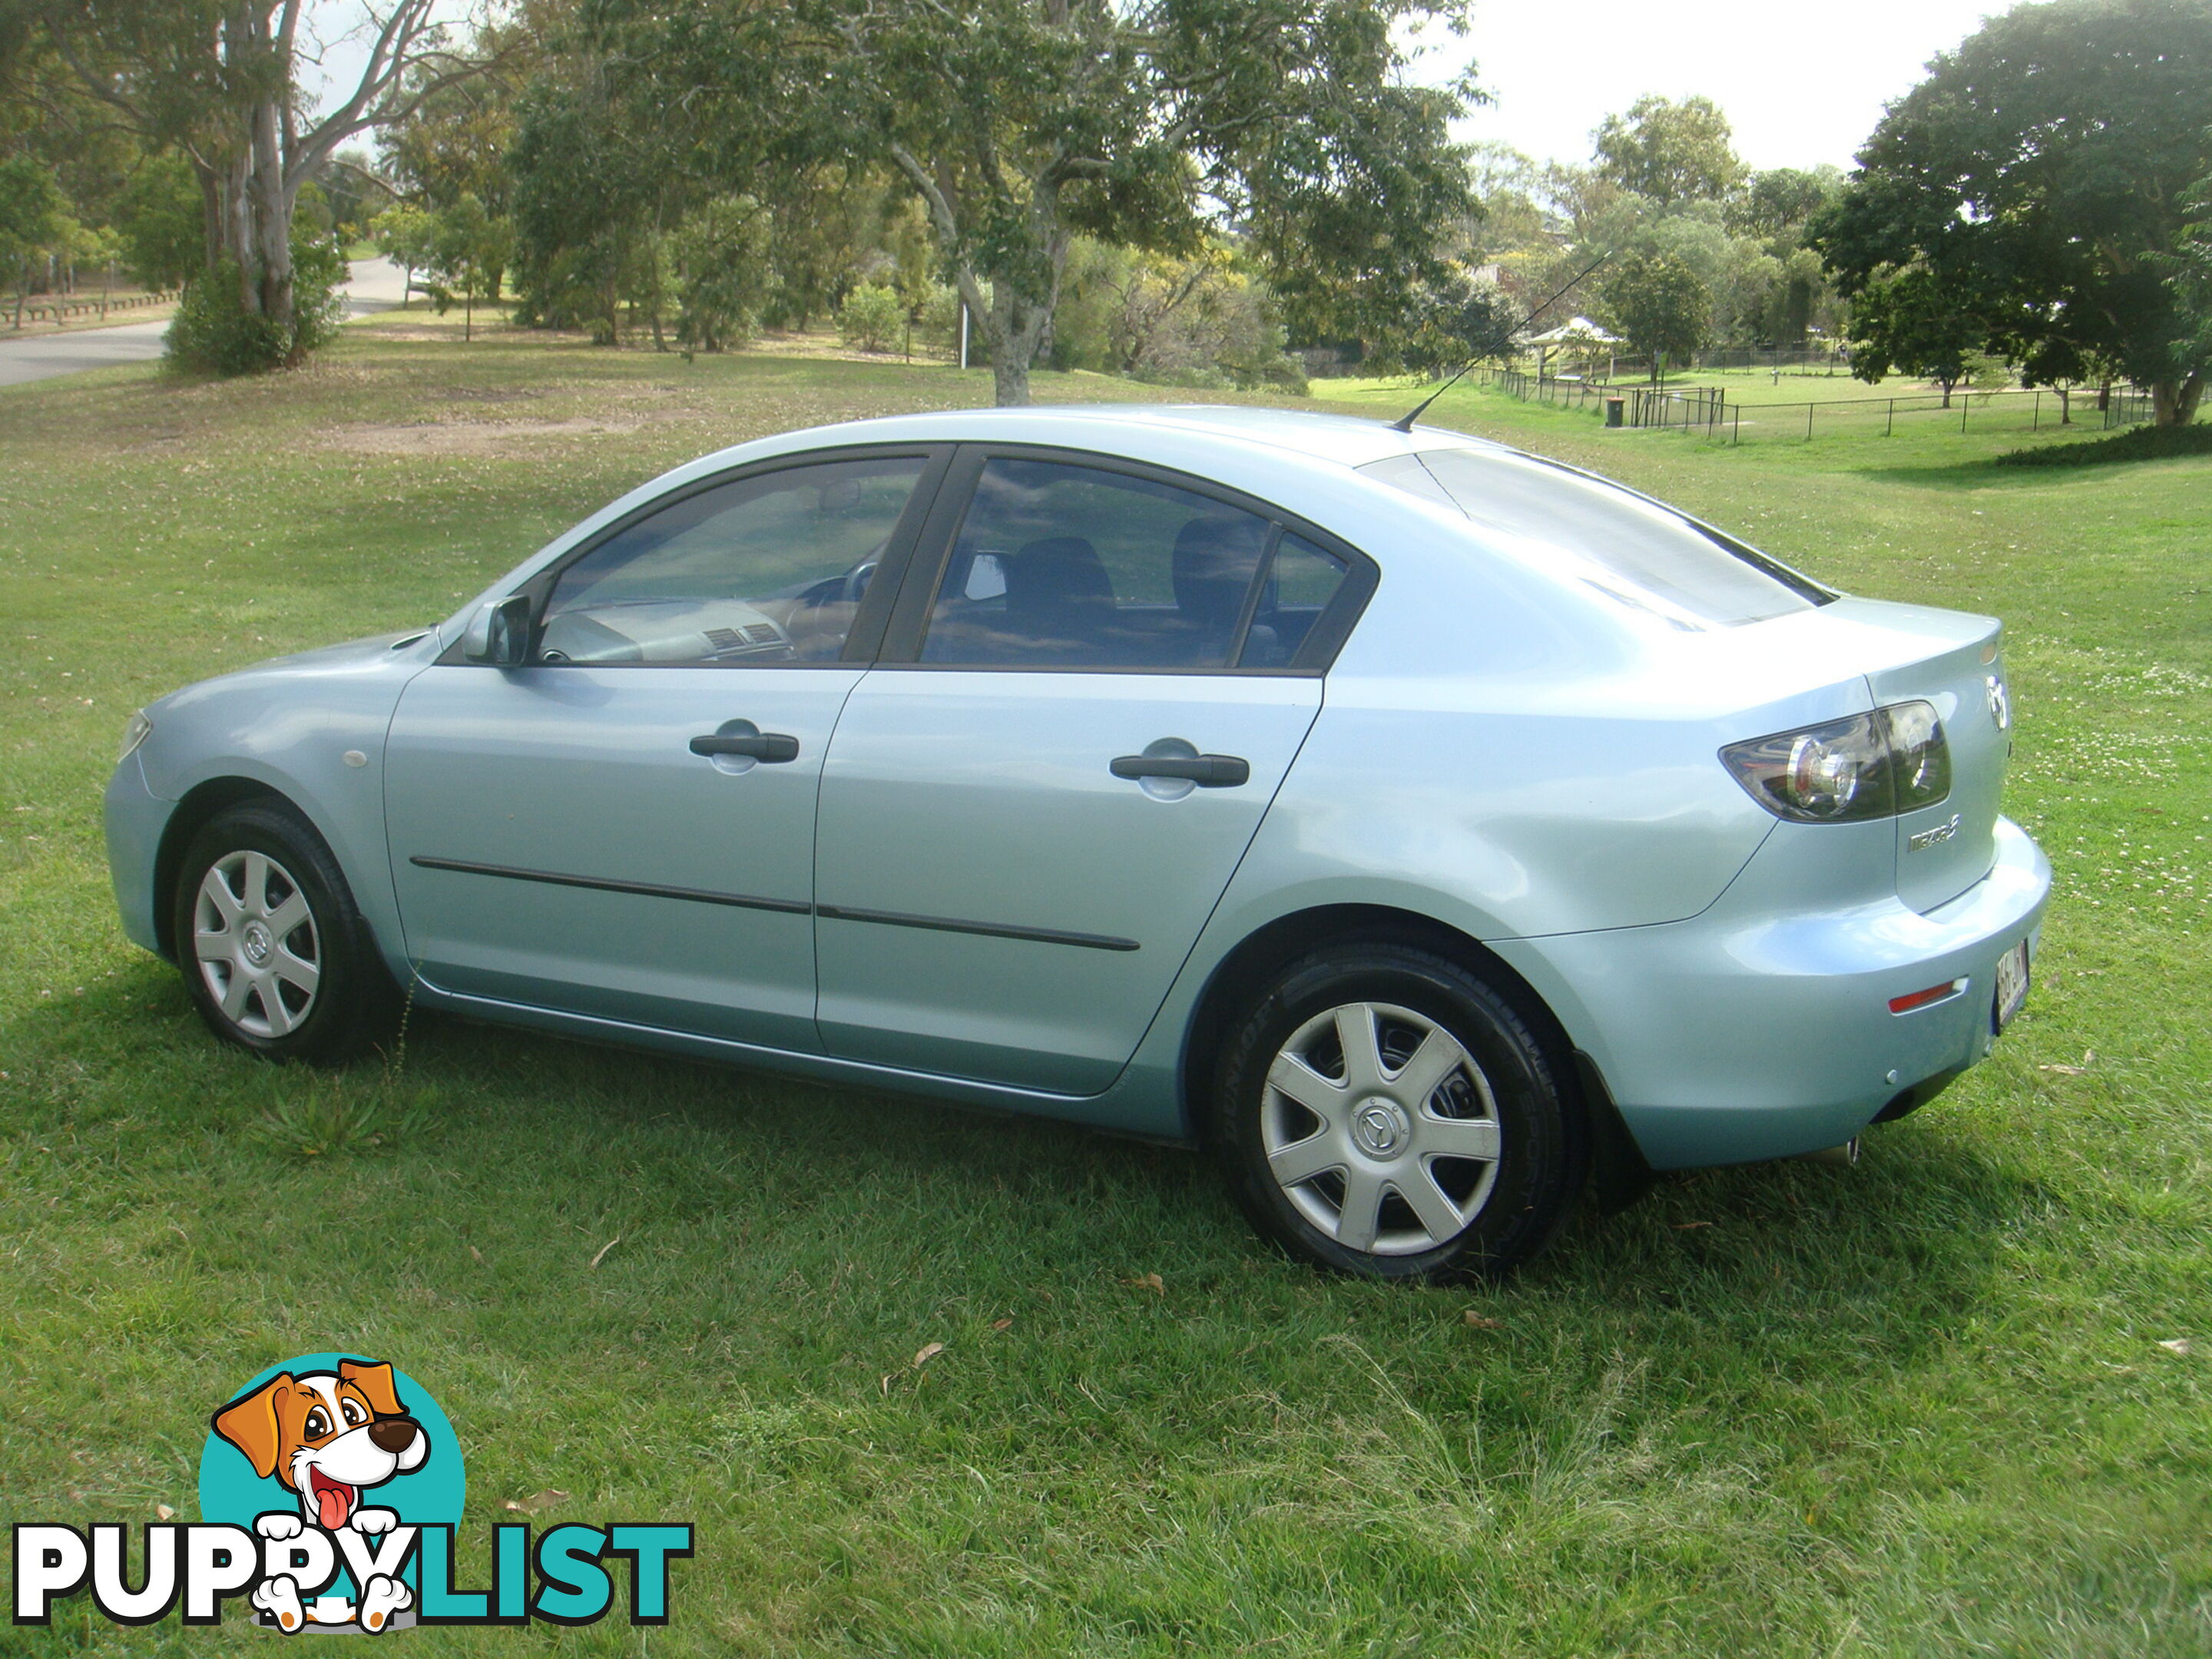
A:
1944,849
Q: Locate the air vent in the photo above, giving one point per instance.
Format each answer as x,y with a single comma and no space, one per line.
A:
753,637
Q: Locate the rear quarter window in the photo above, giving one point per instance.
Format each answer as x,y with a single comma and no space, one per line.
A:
1636,552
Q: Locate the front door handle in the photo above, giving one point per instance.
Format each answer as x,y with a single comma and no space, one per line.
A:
769,748
1206,771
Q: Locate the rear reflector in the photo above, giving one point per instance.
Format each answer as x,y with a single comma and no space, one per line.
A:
1905,1005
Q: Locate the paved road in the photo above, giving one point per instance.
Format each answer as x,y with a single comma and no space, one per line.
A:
376,285
41,355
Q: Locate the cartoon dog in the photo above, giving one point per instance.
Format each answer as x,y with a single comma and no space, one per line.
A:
327,1435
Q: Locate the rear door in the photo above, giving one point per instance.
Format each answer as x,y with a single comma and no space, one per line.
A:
1106,673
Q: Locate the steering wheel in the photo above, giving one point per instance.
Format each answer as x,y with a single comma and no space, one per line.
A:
847,589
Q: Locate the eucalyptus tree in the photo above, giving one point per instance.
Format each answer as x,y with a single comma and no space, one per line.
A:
219,82
1022,123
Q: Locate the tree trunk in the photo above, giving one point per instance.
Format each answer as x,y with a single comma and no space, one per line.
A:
1017,330
1017,327
269,218
215,240
2173,403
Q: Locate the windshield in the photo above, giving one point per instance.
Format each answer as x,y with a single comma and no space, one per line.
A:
1633,549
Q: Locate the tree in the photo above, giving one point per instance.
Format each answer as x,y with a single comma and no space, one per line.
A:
1780,202
34,218
592,183
217,81
1021,123
1670,152
1460,320
406,235
468,249
1917,323
2037,180
158,214
720,254
1661,304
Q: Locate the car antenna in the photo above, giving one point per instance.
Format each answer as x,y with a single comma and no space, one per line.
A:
1405,422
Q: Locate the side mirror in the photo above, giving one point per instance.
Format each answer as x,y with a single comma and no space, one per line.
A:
499,634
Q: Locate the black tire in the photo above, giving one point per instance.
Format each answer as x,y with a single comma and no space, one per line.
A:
1501,1091
312,989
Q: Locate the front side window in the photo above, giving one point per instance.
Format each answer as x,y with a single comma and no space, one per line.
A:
1062,566
1635,551
768,570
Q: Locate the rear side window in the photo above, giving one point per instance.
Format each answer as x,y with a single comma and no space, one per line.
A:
1635,551
1058,565
1301,579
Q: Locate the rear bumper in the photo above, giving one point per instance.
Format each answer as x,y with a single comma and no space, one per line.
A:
1750,1033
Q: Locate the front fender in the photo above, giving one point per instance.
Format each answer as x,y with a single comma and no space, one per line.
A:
312,729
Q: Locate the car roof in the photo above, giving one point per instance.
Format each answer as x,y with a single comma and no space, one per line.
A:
1345,440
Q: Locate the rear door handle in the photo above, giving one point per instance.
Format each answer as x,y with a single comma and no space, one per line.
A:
1206,771
769,748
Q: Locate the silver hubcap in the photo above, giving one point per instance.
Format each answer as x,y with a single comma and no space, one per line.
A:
259,955
1380,1128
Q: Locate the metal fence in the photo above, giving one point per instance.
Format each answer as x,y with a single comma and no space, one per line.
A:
1565,390
1686,407
1962,412
1712,412
1807,360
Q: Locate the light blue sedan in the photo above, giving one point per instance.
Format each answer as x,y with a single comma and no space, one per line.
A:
1427,829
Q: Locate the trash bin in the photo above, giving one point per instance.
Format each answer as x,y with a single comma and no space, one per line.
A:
1613,411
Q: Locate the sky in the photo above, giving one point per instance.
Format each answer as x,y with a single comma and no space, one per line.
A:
1801,83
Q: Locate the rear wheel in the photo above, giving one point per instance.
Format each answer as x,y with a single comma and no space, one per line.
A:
274,952
1382,1111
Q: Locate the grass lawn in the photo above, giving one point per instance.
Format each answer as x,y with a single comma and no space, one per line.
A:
1920,1406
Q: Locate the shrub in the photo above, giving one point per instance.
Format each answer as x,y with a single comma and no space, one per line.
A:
869,319
213,333
2138,443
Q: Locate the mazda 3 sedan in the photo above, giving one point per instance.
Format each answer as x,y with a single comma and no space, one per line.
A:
1427,829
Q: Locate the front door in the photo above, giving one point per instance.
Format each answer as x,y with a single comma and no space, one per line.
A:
1023,828
625,828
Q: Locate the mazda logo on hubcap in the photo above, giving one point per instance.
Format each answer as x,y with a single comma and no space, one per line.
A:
1380,1128
258,945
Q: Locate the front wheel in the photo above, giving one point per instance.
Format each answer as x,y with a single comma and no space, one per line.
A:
276,955
1382,1111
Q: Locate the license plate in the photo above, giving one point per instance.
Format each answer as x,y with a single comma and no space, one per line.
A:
2012,983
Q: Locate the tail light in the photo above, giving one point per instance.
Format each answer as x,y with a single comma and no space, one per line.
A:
1845,771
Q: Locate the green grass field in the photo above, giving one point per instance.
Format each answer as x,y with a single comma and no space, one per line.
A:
1923,1407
